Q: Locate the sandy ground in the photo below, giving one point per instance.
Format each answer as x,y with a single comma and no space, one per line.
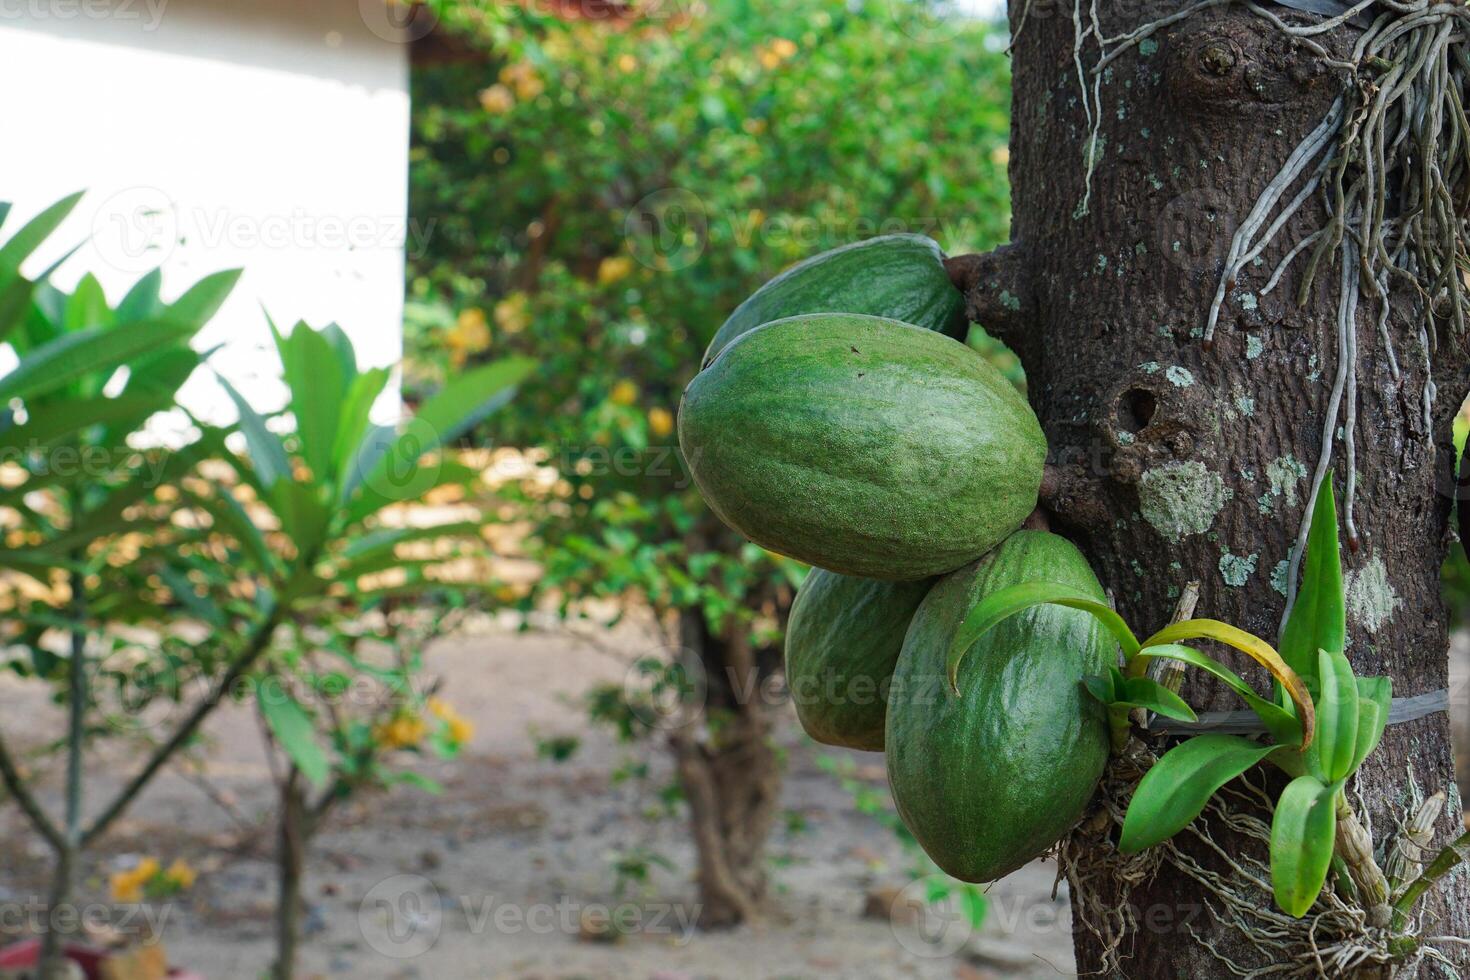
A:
497,876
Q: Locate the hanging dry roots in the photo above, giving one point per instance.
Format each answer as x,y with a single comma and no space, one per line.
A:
1389,164
1336,939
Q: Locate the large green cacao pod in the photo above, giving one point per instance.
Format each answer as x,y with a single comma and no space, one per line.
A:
901,277
990,778
842,640
862,445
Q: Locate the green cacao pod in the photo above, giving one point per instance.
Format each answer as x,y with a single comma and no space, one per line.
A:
990,778
842,640
862,445
901,277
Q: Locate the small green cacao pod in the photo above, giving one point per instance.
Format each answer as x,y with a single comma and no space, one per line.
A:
842,641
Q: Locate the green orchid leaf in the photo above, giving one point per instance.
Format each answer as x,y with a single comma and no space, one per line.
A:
1337,718
1302,834
1318,619
1254,647
1179,785
1149,694
1282,724
1375,697
1002,605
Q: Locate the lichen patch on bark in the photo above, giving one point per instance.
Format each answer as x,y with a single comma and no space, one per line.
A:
1371,598
1180,499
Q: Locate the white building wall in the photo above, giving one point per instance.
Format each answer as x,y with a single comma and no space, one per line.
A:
269,135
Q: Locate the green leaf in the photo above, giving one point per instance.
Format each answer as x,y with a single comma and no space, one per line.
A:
1302,834
35,232
1375,698
1147,693
388,466
293,729
143,301
203,300
1179,785
1101,687
355,419
1282,724
1318,619
304,516
1337,718
319,383
1002,605
71,356
74,415
1253,646
267,453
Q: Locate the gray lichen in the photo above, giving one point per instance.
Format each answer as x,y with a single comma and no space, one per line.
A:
1179,377
1237,569
1278,575
1180,499
1371,599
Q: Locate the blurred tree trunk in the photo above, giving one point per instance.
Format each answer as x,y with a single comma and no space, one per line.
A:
1176,462
729,770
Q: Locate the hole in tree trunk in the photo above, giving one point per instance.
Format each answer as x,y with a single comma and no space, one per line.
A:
1139,406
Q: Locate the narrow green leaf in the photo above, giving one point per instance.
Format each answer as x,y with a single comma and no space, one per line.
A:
1375,697
464,401
98,350
1337,718
35,232
293,730
1179,785
1302,834
1002,605
143,301
1253,646
199,606
203,300
1318,619
1147,693
267,454
1282,724
66,420
302,513
356,416
318,385
1100,686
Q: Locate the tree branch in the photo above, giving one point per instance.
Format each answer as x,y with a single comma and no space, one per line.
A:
999,295
258,644
10,775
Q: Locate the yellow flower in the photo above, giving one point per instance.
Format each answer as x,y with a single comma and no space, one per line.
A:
624,392
180,874
440,708
147,868
497,100
627,64
513,314
126,888
403,732
769,59
660,422
614,268
783,48
470,335
460,730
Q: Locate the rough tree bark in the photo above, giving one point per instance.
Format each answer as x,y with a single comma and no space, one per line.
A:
1178,462
729,772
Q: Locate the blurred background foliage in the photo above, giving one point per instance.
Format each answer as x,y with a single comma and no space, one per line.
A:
601,193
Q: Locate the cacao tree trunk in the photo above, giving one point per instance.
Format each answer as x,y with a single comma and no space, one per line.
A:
729,771
1175,462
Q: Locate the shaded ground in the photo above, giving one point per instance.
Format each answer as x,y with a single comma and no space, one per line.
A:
509,873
